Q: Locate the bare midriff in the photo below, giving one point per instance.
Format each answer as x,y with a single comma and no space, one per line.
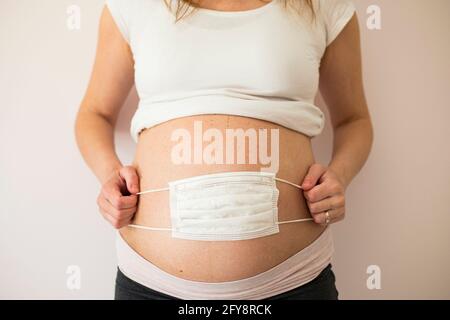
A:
218,261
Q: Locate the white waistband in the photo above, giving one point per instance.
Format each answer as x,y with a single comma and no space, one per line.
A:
297,270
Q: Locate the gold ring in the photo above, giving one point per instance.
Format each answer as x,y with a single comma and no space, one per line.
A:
327,216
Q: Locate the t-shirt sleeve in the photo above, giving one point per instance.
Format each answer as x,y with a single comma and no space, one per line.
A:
120,12
336,15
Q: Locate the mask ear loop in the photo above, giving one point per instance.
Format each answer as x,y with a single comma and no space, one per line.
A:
170,229
298,187
150,228
167,188
153,190
288,182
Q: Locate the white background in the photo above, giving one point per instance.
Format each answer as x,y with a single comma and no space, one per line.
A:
398,207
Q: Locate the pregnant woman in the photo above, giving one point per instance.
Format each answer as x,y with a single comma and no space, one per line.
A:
224,199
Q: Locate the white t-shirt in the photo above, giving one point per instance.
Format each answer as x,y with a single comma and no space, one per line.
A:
261,63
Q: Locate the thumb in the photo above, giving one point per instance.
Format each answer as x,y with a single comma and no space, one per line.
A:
131,178
313,176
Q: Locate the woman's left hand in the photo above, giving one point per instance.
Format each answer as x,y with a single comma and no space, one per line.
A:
324,192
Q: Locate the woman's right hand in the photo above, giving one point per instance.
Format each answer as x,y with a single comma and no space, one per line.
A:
117,200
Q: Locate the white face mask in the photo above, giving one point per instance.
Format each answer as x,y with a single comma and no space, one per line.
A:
223,206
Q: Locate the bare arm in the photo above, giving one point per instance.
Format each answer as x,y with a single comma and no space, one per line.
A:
341,86
111,80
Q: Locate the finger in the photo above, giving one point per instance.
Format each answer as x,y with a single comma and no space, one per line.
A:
111,190
319,192
115,218
334,216
321,218
111,220
326,189
313,175
338,214
131,178
329,203
117,200
117,224
114,212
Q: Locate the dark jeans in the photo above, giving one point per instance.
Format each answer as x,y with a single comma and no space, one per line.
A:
321,288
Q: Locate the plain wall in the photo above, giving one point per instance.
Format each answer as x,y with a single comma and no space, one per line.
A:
397,208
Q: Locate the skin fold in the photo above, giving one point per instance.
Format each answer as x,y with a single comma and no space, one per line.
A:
323,185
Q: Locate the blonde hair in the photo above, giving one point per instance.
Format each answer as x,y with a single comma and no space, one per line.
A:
183,7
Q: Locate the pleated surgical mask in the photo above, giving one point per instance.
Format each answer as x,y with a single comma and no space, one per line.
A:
223,206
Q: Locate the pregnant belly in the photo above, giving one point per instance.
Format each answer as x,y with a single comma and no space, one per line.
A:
190,146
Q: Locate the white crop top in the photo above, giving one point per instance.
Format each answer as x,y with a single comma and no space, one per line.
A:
261,63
